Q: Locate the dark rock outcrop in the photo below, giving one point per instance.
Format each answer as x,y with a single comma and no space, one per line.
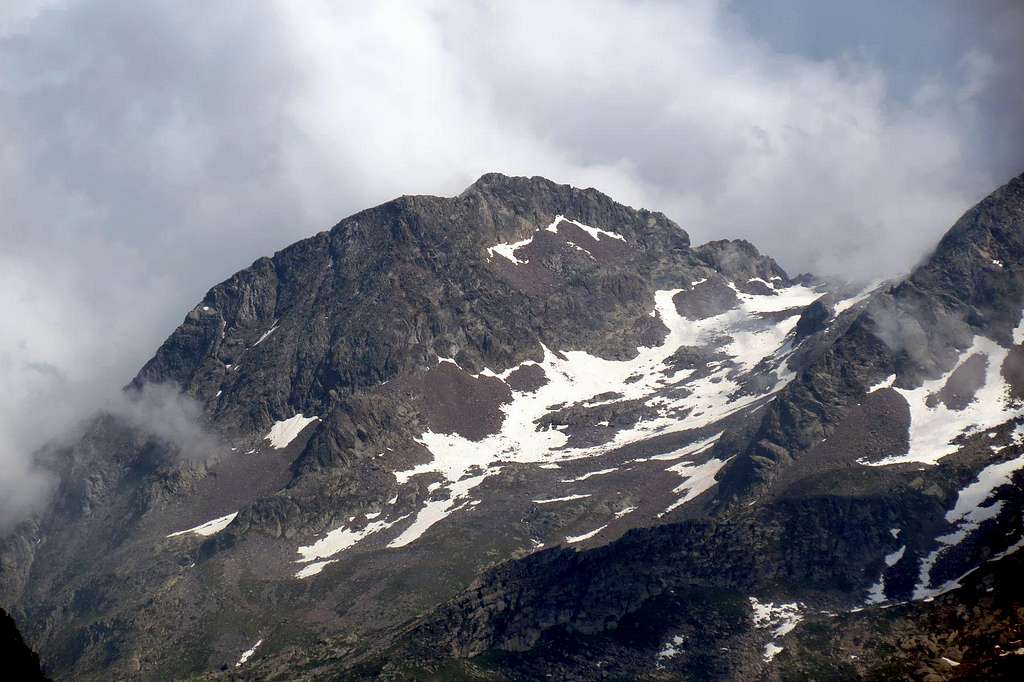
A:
815,317
19,661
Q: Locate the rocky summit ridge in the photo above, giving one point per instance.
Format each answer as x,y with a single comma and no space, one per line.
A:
528,432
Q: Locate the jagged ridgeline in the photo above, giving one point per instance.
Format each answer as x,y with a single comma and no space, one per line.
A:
530,433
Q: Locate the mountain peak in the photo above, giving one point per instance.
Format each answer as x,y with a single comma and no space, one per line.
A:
372,298
495,181
978,265
639,436
514,203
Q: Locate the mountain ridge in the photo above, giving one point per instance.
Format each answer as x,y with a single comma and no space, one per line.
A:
436,419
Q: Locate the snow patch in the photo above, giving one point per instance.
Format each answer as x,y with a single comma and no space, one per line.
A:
691,449
699,478
967,515
894,558
273,328
577,247
781,619
577,377
313,568
433,511
1015,547
338,540
247,654
951,585
284,432
932,429
969,501
209,528
594,232
671,648
570,539
884,383
508,250
599,472
876,593
560,499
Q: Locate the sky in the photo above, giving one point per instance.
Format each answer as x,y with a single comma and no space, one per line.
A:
150,149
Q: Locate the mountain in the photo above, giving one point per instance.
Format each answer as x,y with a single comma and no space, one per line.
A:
528,432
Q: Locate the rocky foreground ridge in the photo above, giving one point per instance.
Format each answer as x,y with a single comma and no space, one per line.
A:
528,432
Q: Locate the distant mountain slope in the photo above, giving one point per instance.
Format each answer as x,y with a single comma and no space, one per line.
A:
522,430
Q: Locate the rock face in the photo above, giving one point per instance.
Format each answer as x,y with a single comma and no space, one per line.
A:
20,662
512,433
815,317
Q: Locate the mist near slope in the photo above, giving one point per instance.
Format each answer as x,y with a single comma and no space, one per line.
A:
160,411
150,149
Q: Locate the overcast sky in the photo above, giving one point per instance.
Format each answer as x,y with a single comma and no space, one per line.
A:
148,150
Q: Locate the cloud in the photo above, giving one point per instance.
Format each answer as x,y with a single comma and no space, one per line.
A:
47,407
162,411
150,149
